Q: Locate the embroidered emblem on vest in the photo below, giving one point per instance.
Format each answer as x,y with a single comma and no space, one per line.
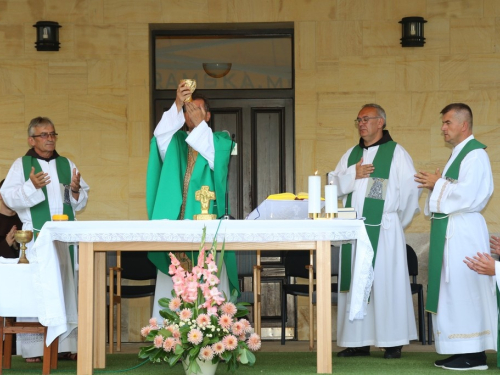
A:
377,188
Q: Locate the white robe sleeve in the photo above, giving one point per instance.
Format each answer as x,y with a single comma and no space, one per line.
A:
201,139
84,192
170,122
17,193
344,177
409,192
472,190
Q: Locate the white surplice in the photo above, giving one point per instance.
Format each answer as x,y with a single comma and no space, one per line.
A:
466,319
21,195
389,319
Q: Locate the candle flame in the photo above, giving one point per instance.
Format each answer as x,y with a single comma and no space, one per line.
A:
316,173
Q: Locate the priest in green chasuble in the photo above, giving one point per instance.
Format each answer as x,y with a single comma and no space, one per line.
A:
180,163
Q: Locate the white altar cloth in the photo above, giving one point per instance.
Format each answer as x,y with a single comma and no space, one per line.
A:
45,248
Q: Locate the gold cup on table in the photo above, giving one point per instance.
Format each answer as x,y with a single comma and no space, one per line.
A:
191,84
23,237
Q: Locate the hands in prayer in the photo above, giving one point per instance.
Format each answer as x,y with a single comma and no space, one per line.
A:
9,237
427,180
363,171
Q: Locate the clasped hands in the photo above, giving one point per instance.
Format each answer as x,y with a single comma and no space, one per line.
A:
42,179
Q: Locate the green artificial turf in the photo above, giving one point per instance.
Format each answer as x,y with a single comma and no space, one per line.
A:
277,363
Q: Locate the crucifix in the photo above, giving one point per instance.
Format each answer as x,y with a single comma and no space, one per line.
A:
204,196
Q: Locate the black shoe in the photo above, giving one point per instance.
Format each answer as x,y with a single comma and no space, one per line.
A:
471,361
442,362
393,352
362,351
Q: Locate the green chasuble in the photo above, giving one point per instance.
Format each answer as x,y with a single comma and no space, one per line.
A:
164,188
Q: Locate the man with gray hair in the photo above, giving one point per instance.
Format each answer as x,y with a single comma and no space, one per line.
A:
376,178
39,185
463,302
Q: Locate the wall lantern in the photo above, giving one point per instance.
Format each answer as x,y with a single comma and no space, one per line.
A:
412,31
47,36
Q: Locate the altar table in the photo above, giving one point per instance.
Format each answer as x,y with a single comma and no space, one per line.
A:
98,237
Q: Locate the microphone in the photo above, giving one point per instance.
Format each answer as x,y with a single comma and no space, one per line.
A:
226,214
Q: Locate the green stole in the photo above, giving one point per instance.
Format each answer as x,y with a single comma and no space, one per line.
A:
165,183
439,225
373,209
40,213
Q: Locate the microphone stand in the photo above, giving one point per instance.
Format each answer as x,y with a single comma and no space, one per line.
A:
226,215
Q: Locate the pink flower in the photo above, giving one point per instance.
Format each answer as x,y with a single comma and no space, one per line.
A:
212,267
174,304
212,310
225,321
185,314
238,328
145,331
174,260
254,342
206,353
230,342
203,320
153,323
169,344
201,258
195,336
246,325
158,341
212,280
218,348
229,308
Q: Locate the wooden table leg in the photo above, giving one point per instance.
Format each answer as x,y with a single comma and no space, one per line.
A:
85,309
256,295
324,307
100,310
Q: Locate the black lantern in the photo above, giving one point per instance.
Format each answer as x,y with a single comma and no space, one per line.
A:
412,31
47,36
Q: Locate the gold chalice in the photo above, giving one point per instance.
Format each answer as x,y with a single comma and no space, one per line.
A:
23,237
191,83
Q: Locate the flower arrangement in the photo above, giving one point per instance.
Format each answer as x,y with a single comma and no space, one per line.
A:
199,322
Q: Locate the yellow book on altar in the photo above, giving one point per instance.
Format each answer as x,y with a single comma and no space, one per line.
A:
289,196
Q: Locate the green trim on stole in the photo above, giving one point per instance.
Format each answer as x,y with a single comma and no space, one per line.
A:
40,213
164,186
373,209
439,225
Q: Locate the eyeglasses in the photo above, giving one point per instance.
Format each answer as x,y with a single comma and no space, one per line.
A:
45,135
364,119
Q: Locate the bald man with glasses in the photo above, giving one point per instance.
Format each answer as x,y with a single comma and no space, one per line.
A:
376,178
39,185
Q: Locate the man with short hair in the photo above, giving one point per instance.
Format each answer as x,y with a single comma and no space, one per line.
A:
39,185
376,178
463,303
180,163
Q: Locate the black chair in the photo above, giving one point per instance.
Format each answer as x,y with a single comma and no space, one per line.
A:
416,289
300,264
130,265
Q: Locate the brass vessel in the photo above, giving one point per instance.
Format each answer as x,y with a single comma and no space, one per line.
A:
23,237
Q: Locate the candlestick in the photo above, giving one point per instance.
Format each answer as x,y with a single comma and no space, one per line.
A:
331,200
314,198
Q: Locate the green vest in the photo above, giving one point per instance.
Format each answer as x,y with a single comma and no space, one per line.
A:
373,209
439,225
165,183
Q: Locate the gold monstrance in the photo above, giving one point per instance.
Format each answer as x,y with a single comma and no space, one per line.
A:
204,195
23,237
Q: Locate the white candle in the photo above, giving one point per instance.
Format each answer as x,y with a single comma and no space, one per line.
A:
331,200
314,197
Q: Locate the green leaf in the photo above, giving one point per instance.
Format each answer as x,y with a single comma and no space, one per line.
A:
164,302
243,356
